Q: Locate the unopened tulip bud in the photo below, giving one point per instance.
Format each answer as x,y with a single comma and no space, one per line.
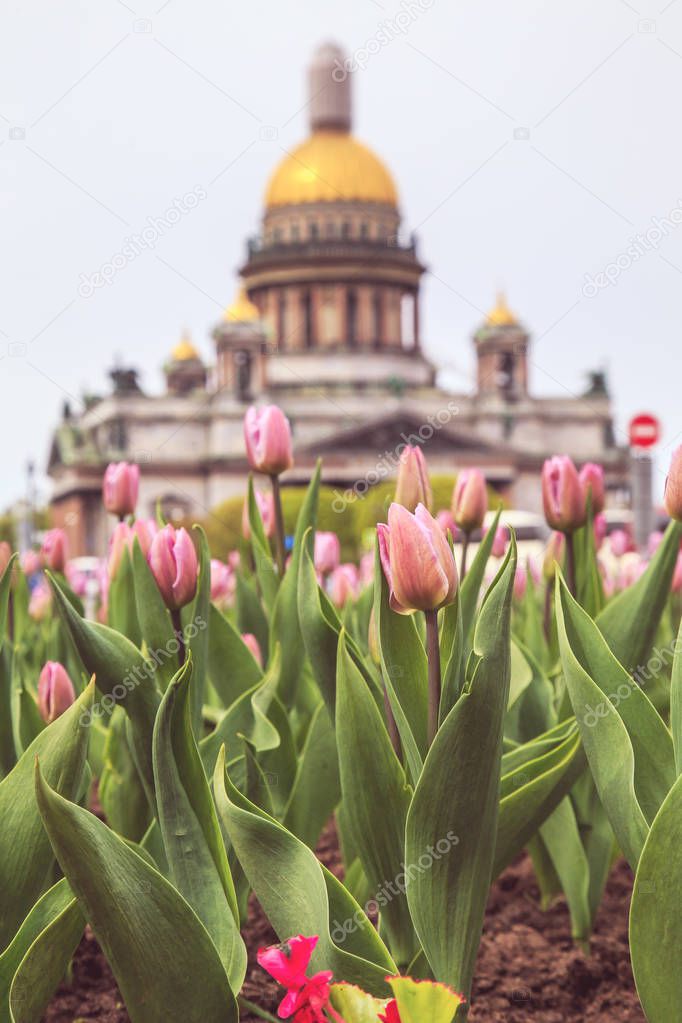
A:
554,555
31,562
417,561
500,542
470,500
267,435
343,584
562,495
174,565
118,544
266,507
413,486
223,583
327,552
447,523
120,488
145,530
673,486
252,643
55,691
40,603
592,479
54,550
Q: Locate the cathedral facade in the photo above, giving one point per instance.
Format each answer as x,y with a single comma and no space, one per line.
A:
326,324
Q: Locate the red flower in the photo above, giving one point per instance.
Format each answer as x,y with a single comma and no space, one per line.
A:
391,1015
306,997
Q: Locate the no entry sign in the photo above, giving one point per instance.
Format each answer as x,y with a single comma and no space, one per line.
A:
645,431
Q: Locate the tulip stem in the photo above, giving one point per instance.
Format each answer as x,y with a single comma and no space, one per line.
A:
548,609
279,523
570,563
255,1010
177,629
465,551
433,658
393,732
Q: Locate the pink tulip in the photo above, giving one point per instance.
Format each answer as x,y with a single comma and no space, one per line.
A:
266,507
500,541
673,486
417,561
343,584
600,529
366,569
77,579
554,554
120,487
470,500
234,559
55,691
327,552
413,486
54,550
562,494
520,582
254,646
31,562
145,530
267,435
118,544
447,523
620,542
40,603
223,583
174,565
592,479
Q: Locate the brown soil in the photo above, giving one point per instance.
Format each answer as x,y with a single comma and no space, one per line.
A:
528,968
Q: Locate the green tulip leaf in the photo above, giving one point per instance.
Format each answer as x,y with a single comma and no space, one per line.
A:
232,668
25,853
5,589
140,921
298,895
123,614
676,702
189,827
317,789
455,801
195,623
155,620
266,572
655,918
470,588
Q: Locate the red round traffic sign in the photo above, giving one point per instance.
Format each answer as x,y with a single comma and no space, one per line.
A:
645,430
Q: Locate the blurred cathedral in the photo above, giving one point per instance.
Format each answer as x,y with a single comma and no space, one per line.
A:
326,324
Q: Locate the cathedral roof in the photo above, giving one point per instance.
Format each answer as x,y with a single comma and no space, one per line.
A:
184,350
331,166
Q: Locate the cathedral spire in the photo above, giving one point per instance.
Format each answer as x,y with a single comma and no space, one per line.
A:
329,90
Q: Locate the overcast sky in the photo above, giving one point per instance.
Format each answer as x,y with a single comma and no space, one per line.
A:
531,142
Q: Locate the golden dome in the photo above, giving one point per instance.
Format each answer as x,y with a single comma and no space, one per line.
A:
501,315
328,167
242,309
184,350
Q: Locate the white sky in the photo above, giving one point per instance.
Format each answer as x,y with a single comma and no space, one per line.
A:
118,122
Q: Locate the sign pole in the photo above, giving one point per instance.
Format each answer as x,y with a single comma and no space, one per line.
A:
645,432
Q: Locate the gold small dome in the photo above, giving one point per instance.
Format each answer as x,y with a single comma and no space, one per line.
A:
331,166
501,315
184,350
242,309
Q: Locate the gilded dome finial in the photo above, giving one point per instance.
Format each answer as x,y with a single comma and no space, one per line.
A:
184,349
501,315
242,310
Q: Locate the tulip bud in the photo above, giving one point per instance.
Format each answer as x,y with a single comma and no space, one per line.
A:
343,584
55,691
223,583
327,552
266,507
520,582
120,487
592,479
40,602
145,530
600,529
252,643
417,561
673,486
413,486
620,542
118,544
554,554
447,523
267,435
53,550
174,565
500,541
562,495
470,500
